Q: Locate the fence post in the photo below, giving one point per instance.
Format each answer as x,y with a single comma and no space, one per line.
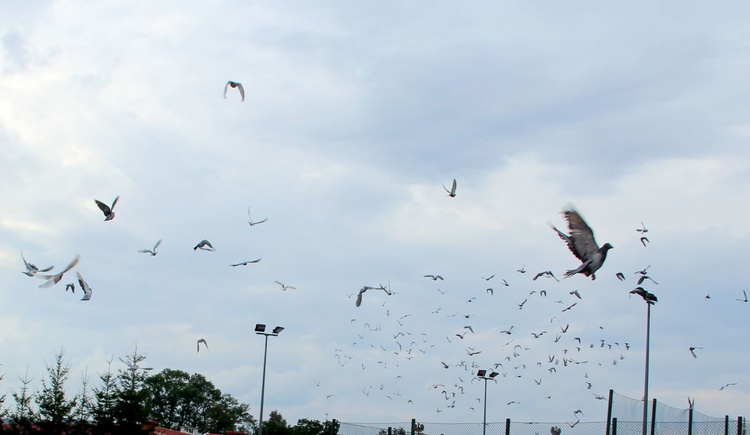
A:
507,426
690,421
726,425
614,426
413,424
653,417
609,410
739,425
333,427
390,430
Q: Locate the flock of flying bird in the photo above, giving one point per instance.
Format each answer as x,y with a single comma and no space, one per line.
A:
390,345
400,346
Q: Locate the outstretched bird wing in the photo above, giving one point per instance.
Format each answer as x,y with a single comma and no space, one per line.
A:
581,240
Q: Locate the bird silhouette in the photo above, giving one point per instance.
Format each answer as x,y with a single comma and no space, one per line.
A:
582,244
198,345
434,277
744,293
204,245
234,85
109,211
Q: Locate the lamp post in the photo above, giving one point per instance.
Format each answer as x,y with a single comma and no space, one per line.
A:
260,329
650,299
482,374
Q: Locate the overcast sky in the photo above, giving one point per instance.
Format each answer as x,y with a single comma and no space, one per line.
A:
356,115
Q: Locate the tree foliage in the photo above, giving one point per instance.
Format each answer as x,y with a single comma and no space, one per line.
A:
54,407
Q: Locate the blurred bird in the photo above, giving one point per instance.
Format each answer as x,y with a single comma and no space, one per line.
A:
692,351
245,263
452,191
547,273
251,219
576,294
727,385
434,277
642,229
285,287
85,287
198,345
522,269
109,211
620,276
31,268
237,85
645,277
151,251
204,245
650,298
70,286
744,293
644,240
582,244
54,279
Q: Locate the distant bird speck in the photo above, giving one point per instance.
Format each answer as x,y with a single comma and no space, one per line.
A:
245,263
251,222
285,287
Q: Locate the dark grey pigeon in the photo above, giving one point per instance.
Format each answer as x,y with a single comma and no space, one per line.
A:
109,211
582,244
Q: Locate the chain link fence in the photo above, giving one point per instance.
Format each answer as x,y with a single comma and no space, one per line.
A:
624,417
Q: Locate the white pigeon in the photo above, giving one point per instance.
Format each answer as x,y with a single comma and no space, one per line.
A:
85,287
151,251
54,279
237,85
31,268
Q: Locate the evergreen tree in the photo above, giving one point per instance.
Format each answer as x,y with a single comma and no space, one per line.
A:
22,415
54,408
276,425
83,410
130,409
105,399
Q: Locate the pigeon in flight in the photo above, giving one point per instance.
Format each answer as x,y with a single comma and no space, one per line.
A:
31,268
642,229
358,302
233,85
650,298
645,240
452,191
620,276
692,351
54,279
204,245
582,244
251,219
151,251
198,345
744,293
85,287
522,269
547,273
109,211
245,263
434,277
285,287
727,385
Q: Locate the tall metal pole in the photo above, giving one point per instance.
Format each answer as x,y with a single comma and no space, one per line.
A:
645,382
263,388
484,421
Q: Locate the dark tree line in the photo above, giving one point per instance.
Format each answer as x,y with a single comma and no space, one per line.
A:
123,402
